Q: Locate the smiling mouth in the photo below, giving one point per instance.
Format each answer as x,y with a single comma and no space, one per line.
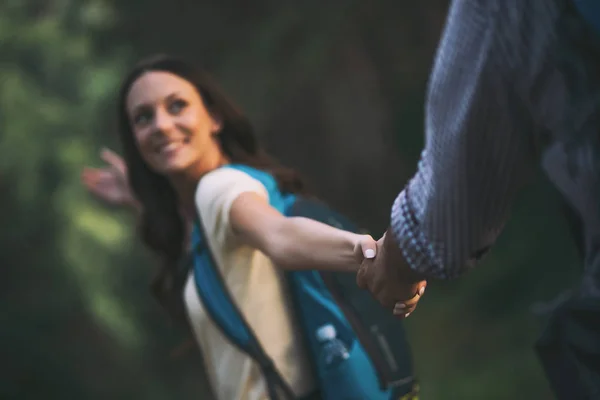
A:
171,147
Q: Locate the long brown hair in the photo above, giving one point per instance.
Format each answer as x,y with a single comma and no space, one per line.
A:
162,225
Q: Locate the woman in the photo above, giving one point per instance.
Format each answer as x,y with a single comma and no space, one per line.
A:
178,131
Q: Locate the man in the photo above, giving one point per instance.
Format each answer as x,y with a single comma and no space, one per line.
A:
515,83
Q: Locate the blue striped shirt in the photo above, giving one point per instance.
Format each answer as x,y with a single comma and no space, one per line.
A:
511,88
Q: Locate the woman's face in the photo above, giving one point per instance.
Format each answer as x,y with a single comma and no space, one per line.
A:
173,129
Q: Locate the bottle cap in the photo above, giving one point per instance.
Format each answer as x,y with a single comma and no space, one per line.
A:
326,332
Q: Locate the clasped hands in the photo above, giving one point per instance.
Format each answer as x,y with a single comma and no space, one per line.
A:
385,273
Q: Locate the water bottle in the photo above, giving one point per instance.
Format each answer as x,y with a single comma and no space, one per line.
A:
333,351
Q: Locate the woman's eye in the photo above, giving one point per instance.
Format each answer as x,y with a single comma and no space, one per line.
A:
143,118
177,106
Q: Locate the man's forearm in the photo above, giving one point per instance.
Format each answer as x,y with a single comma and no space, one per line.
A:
396,258
477,153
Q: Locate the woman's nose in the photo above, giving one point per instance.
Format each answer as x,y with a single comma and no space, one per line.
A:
163,121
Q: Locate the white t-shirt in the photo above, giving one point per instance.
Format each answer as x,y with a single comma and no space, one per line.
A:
257,288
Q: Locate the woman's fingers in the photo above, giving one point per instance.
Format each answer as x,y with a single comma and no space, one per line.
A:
405,308
113,159
369,247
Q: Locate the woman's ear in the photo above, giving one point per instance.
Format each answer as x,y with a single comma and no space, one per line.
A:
217,124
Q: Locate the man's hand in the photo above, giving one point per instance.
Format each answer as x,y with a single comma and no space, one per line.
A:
389,278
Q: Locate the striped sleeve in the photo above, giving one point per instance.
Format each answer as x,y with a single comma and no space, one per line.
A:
478,151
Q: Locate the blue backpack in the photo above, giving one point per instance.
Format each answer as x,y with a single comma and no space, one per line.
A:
380,364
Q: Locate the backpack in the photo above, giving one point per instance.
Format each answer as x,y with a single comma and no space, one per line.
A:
380,363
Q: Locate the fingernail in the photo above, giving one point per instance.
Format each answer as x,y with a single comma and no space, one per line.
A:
421,291
369,253
406,316
400,306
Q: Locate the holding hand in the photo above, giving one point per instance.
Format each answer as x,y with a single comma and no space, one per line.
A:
390,280
365,248
109,184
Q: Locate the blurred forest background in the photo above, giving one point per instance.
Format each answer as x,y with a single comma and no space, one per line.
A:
336,90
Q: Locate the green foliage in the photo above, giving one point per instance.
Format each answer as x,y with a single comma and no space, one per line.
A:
72,329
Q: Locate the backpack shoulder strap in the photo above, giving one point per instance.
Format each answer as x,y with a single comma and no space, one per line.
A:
225,313
277,200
